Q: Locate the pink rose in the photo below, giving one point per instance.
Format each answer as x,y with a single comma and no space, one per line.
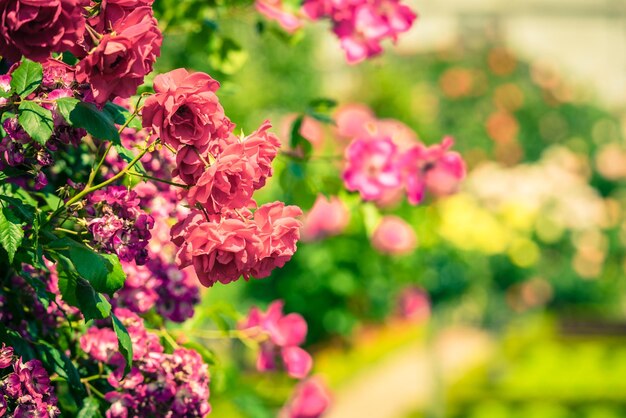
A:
57,74
223,250
35,28
354,120
261,147
310,399
279,231
227,184
113,10
326,218
434,168
186,111
122,58
372,167
394,236
189,164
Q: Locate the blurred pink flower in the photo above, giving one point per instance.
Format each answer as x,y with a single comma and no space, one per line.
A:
434,168
414,304
352,120
327,217
372,167
279,335
275,10
311,130
310,399
394,236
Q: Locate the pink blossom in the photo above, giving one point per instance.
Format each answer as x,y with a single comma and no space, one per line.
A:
326,218
261,147
414,304
112,11
353,120
311,129
434,168
186,111
372,167
394,236
275,10
227,184
279,231
117,66
279,336
310,399
34,29
189,164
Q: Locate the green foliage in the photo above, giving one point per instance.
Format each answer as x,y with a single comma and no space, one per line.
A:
11,232
26,78
90,409
124,342
100,124
121,115
36,121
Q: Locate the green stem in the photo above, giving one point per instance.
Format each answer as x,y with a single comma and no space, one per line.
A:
148,177
105,183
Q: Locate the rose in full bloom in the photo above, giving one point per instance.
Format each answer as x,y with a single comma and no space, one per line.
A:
310,399
222,250
280,336
34,29
117,66
279,231
372,167
227,184
435,168
186,111
394,236
326,218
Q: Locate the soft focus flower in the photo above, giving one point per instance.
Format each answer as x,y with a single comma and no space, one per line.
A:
394,236
326,218
435,168
372,167
35,29
275,10
414,304
280,336
310,399
123,57
186,111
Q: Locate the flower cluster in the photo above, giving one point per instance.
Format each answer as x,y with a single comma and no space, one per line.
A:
279,337
176,382
360,25
17,148
119,225
159,284
26,390
221,238
385,160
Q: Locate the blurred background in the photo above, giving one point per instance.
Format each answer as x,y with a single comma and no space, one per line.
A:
512,300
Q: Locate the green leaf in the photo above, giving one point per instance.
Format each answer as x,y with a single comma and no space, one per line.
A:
26,78
120,115
127,155
320,109
36,121
124,341
207,355
55,360
85,115
90,409
299,143
103,271
11,232
92,304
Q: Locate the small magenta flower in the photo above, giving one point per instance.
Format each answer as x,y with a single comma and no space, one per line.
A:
372,167
310,399
6,356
